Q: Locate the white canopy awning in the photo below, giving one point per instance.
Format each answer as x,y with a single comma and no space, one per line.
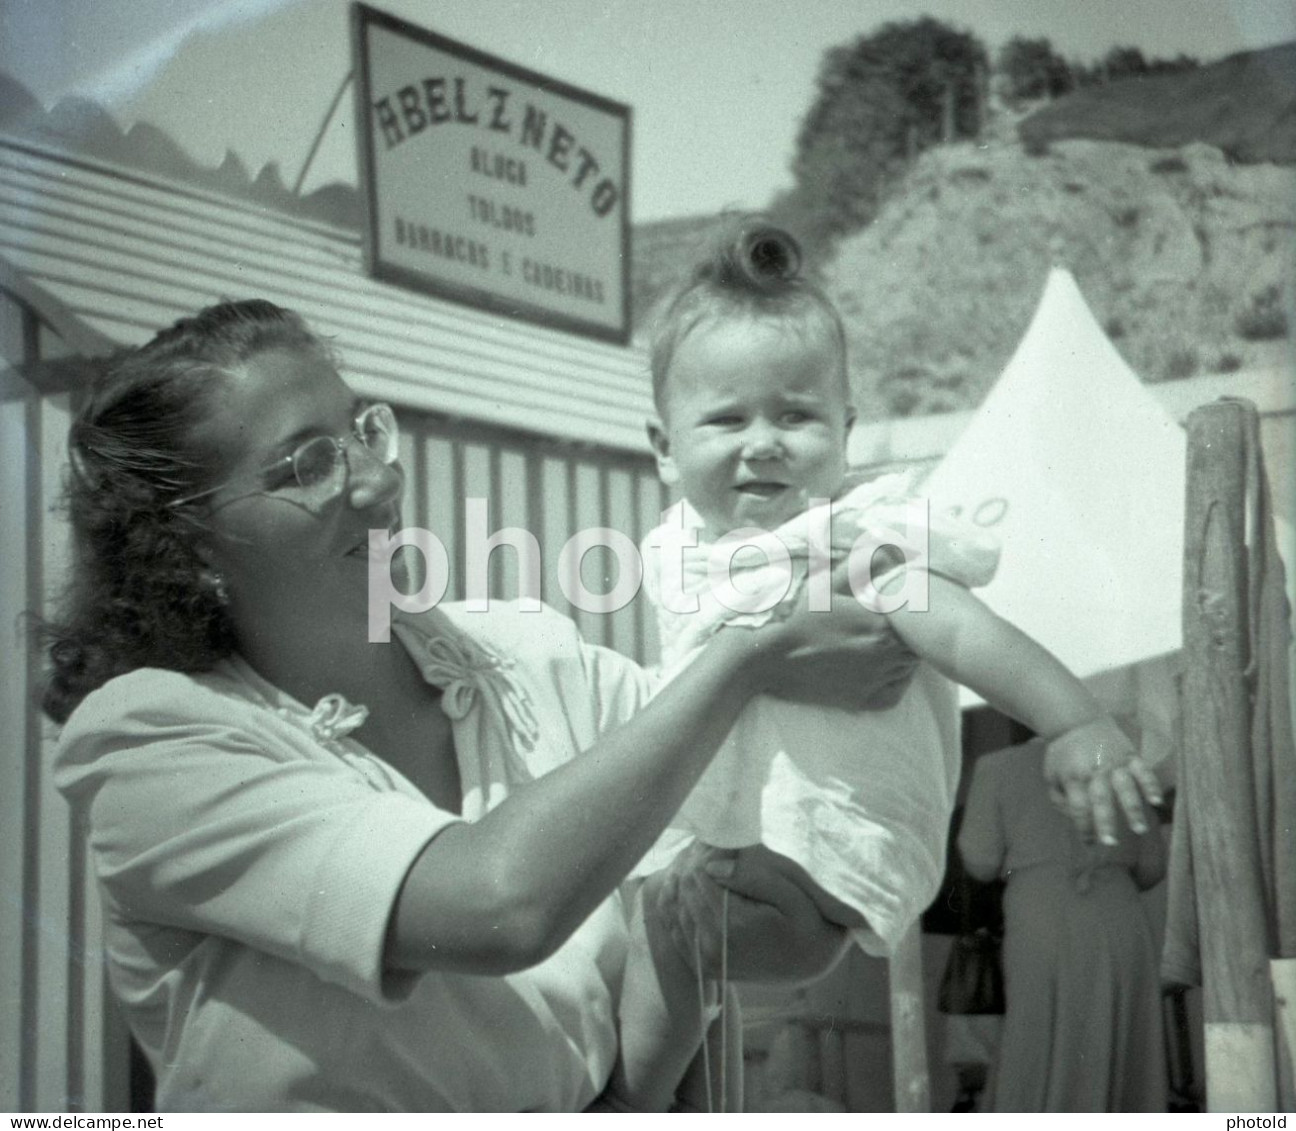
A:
1081,472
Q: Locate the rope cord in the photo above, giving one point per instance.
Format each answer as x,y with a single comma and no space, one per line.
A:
706,1050
724,986
723,1017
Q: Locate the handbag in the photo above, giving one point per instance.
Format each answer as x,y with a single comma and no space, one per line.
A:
973,981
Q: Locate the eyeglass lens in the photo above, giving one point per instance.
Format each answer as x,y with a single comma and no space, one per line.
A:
319,460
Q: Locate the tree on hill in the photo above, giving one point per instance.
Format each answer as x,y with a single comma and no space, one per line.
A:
1030,68
1128,63
1124,63
1180,62
880,101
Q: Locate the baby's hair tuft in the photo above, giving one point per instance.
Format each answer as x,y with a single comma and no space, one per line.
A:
764,258
750,267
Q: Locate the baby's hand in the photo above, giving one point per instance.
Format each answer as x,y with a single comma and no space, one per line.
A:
1086,765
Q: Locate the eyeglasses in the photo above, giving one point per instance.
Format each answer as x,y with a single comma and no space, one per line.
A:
319,466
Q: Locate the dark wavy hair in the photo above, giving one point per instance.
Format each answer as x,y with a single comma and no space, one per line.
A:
137,597
750,267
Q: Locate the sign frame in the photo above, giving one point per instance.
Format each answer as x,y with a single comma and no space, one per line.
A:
363,19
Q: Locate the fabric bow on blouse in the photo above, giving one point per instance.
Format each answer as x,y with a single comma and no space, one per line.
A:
495,722
334,718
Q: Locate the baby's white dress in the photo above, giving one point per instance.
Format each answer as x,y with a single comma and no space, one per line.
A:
860,799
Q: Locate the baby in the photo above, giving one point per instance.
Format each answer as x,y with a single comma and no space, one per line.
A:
750,386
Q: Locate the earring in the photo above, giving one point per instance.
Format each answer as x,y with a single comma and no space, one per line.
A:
214,580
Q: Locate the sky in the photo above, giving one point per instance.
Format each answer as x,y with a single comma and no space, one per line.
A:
717,87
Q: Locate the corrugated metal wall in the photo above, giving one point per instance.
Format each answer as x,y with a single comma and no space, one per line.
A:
548,488
128,253
61,1049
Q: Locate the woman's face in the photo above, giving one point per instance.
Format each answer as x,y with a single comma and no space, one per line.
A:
292,558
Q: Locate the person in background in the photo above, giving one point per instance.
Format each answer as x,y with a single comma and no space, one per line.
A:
1082,1027
970,1020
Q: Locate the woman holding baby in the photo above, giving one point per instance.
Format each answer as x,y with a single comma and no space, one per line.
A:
348,876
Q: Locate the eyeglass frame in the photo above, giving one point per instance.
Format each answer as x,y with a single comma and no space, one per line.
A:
339,444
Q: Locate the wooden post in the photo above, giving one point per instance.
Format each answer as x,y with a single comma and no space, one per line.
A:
1283,975
1237,1000
832,1063
908,1029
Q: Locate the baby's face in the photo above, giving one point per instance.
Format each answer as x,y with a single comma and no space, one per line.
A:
755,422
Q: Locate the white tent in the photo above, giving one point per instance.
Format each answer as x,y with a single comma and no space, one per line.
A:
1080,471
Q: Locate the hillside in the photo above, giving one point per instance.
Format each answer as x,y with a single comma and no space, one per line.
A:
1185,259
1171,198
1244,105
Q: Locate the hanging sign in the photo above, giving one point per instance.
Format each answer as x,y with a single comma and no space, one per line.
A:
489,184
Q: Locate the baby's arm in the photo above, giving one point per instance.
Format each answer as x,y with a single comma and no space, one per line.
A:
963,639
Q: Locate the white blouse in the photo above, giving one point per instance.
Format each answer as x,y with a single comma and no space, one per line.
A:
249,854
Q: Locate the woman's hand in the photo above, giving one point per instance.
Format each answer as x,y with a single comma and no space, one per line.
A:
773,929
1088,766
847,656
